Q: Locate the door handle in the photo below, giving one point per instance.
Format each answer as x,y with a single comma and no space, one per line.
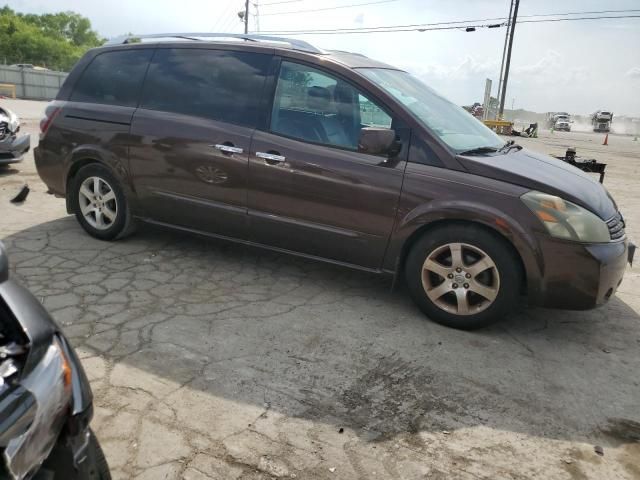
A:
227,148
271,157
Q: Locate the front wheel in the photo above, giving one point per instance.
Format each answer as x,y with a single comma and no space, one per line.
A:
463,276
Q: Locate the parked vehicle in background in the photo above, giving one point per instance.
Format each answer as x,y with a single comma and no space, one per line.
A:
45,398
12,145
333,156
554,117
563,124
29,66
601,121
477,110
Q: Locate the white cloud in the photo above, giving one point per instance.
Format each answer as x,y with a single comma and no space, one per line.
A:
633,73
462,81
469,67
551,69
550,63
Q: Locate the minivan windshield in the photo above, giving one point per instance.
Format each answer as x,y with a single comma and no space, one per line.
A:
456,127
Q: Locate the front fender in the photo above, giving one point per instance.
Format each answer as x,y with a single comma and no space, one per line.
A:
499,210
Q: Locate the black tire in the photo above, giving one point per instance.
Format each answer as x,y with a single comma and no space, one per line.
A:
123,224
98,469
500,252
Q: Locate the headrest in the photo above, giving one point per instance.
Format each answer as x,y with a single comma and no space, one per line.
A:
318,98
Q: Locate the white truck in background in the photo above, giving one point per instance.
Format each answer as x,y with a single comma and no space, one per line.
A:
559,121
601,121
563,122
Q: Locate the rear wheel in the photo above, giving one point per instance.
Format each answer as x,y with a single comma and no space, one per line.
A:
99,203
463,276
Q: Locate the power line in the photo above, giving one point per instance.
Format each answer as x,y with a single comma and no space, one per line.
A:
223,14
384,27
231,22
278,3
330,8
580,13
428,28
577,18
389,26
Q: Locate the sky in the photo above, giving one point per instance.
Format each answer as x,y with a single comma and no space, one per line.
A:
578,67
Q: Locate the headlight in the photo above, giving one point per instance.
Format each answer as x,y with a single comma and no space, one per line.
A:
567,220
50,384
13,122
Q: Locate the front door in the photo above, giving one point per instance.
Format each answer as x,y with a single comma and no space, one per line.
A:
191,137
310,190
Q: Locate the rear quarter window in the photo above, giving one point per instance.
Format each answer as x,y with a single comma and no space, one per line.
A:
113,78
217,84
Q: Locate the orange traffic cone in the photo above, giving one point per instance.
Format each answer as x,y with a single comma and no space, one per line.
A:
606,140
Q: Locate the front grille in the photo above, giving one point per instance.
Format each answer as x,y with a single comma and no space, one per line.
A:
616,227
3,129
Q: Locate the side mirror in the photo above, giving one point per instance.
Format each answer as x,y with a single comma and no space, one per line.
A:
378,141
4,264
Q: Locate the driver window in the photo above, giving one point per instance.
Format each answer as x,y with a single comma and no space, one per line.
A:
371,115
316,107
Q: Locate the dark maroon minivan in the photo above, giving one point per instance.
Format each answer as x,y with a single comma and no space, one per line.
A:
333,156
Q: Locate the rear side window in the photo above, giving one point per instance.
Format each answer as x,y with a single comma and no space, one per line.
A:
216,84
114,78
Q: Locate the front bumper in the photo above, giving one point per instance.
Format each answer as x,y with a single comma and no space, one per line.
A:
12,148
72,458
582,276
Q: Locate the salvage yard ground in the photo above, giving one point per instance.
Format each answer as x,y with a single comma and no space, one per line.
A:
210,360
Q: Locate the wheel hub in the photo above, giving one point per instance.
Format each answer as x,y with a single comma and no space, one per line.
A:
98,204
460,278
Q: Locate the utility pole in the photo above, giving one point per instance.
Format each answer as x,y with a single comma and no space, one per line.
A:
257,16
504,52
246,17
508,63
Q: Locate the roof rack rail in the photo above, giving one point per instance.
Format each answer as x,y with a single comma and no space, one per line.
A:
292,43
349,53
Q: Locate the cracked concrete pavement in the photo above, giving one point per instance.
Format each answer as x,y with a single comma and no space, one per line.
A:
210,360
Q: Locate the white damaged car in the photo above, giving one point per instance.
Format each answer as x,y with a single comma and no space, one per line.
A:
12,145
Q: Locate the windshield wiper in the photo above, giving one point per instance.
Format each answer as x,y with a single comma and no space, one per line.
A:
479,150
507,147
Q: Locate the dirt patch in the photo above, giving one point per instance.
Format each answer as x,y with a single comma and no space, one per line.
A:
622,430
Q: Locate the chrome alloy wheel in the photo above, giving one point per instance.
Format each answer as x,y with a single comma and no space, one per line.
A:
98,203
460,279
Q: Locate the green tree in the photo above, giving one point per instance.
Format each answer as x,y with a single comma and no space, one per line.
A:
52,40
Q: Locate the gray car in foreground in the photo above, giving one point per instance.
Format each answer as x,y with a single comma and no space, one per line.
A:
45,398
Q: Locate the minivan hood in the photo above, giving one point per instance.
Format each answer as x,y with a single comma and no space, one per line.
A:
546,174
